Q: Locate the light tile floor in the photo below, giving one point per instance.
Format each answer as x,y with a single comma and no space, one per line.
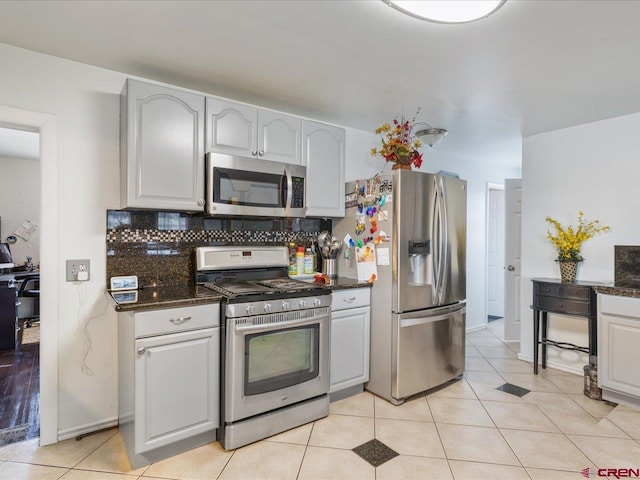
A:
466,430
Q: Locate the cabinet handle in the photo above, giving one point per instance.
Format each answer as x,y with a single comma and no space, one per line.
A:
254,152
141,351
179,321
350,299
261,152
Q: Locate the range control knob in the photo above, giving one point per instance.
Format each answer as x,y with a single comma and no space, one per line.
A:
286,305
267,307
317,302
250,309
303,304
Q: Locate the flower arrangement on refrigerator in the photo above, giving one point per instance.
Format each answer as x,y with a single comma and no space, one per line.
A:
399,145
568,240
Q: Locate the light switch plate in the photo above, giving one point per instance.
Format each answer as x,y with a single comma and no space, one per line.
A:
76,266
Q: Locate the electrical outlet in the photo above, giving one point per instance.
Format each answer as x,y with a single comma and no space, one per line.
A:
75,267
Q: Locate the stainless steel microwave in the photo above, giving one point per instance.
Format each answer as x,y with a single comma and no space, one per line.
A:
254,187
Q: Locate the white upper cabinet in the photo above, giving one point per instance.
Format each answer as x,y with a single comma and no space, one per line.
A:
162,150
247,131
323,155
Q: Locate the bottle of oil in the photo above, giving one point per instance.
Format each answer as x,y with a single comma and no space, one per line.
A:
308,261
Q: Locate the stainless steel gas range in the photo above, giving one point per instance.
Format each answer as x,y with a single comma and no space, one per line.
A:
275,342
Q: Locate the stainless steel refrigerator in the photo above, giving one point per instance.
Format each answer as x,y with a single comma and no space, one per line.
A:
416,224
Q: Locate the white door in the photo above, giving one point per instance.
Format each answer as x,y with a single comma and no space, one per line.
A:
513,207
495,251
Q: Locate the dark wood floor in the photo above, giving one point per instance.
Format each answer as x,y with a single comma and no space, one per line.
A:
20,393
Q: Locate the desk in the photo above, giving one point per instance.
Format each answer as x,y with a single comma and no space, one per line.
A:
553,296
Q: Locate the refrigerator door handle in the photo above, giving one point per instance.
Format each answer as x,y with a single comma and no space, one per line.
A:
435,239
444,259
412,322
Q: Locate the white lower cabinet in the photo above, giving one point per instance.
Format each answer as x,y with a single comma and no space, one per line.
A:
169,368
619,349
350,338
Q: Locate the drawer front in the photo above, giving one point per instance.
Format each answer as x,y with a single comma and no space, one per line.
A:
561,305
171,320
563,291
356,297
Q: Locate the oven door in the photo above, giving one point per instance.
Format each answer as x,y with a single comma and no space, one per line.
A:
275,360
248,186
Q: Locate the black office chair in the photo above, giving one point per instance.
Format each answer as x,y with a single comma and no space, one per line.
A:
30,288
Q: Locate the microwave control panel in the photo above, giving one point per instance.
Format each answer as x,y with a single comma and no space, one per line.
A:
297,195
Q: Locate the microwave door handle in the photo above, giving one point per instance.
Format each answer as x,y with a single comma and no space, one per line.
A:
289,180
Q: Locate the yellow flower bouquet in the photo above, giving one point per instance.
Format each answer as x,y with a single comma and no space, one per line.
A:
568,241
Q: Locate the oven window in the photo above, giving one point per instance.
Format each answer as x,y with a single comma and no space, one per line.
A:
280,359
237,187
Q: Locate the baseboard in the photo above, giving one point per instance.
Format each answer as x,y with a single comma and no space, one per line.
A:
67,433
551,364
475,329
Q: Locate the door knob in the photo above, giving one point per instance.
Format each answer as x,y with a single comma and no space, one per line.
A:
511,268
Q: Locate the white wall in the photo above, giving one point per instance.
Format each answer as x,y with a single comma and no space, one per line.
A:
478,173
85,101
593,168
20,201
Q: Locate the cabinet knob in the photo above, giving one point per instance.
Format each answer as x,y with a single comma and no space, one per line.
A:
200,203
261,152
141,351
511,268
254,152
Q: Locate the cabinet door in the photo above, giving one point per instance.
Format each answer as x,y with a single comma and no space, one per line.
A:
163,148
176,387
350,337
279,137
232,128
618,353
323,155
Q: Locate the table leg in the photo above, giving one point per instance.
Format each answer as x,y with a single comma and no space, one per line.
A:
536,335
544,338
593,341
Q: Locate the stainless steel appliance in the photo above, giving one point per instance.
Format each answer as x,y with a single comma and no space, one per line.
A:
250,186
416,222
275,342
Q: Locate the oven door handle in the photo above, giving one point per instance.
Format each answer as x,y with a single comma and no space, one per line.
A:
278,325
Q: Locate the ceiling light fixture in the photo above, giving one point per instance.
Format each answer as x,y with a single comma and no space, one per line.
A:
447,11
430,136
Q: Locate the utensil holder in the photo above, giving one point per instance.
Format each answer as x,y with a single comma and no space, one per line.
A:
329,267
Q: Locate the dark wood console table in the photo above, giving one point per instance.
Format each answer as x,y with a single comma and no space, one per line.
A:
553,296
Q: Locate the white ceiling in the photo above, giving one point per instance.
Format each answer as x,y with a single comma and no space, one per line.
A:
533,66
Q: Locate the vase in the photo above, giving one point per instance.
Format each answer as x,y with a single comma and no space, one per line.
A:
568,270
403,163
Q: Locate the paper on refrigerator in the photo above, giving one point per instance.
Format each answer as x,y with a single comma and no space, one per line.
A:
366,262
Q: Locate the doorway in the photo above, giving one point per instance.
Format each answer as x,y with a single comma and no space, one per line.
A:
495,256
20,218
47,127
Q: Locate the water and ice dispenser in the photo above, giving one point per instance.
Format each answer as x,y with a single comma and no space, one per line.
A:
420,271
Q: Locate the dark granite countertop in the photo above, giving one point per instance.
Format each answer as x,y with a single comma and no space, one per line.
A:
621,288
344,283
166,296
340,283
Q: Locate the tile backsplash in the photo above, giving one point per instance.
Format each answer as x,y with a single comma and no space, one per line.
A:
159,246
627,262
